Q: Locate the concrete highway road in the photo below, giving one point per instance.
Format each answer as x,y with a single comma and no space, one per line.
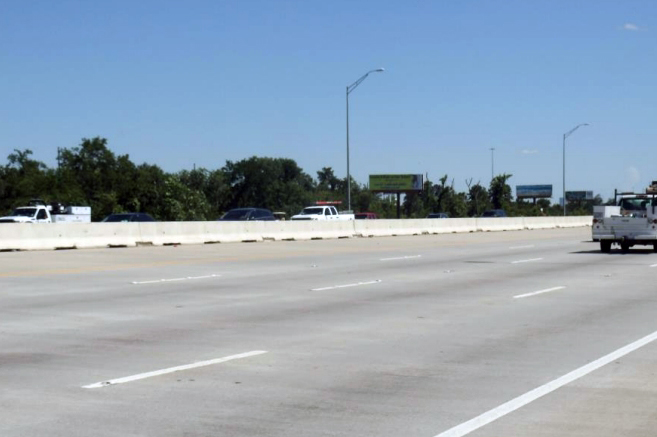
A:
530,333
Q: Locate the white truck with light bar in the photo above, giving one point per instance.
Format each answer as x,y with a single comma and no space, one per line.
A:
322,212
633,221
38,212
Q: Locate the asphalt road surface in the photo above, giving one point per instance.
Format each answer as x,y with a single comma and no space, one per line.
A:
531,333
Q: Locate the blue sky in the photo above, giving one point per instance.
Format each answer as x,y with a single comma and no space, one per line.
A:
202,82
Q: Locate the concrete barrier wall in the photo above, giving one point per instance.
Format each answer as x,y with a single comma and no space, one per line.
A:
37,236
307,229
48,236
500,224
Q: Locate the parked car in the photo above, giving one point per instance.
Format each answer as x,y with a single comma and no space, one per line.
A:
494,213
438,215
365,216
128,217
243,214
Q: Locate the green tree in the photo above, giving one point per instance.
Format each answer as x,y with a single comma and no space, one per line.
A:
500,192
23,179
278,184
327,180
478,199
93,168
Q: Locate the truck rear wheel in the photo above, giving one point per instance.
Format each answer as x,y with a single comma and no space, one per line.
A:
625,246
605,246
654,247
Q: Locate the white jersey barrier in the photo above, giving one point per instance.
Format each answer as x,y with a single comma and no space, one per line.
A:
47,236
307,229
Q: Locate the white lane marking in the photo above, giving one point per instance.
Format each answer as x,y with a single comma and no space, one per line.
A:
401,257
157,281
522,247
654,265
346,285
522,400
172,369
526,260
547,290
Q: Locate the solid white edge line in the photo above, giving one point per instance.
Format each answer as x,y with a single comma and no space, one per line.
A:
401,257
157,281
172,369
346,285
522,247
526,260
547,290
514,404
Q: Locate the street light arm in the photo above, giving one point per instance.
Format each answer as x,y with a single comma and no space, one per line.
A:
567,134
353,86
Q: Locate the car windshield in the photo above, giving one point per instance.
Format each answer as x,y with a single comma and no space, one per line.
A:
24,212
489,214
313,211
115,218
236,214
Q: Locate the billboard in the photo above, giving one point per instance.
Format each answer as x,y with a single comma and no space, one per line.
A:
579,195
396,183
533,191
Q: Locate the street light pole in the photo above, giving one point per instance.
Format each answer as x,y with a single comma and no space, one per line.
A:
350,88
492,163
566,135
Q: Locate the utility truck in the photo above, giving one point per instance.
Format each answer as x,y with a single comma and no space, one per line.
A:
632,221
322,212
38,212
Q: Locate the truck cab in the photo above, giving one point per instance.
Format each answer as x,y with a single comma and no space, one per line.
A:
28,214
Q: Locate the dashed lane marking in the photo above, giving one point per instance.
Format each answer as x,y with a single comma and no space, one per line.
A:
346,285
547,290
173,369
157,281
401,257
526,260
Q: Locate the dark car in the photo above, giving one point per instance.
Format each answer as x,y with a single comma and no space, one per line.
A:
242,214
128,217
494,213
365,216
439,215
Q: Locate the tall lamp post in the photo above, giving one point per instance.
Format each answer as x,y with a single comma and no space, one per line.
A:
350,88
566,135
492,163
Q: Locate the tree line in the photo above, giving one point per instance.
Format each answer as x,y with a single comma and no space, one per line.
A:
90,174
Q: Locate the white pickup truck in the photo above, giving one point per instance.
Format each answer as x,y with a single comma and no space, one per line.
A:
38,212
633,221
322,213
